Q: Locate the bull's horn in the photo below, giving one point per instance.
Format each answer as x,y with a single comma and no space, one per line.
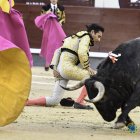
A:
77,86
101,92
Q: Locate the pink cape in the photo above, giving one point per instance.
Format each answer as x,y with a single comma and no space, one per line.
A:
12,28
5,44
53,35
15,81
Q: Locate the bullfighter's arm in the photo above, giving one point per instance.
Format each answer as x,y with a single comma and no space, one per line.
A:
55,59
83,51
45,12
63,18
45,9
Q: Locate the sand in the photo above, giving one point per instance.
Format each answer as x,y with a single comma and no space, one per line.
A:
63,123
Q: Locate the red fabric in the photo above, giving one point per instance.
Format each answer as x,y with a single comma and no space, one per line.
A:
38,102
82,96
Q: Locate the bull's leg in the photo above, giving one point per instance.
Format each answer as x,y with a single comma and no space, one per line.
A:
119,123
134,101
128,119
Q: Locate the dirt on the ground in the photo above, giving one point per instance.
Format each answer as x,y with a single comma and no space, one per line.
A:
63,123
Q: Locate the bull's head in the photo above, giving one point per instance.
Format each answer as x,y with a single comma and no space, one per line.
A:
106,105
97,94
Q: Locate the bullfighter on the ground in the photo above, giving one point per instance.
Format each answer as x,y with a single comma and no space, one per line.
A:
75,50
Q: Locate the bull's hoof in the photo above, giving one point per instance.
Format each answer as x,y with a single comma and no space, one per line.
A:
119,125
132,128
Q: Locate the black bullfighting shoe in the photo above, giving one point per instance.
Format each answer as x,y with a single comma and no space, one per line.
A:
46,68
80,106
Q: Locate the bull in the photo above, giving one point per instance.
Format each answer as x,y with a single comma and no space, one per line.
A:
116,84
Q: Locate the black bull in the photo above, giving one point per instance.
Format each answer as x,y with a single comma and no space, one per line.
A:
121,81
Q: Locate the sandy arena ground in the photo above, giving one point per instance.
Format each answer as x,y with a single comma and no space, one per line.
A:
62,123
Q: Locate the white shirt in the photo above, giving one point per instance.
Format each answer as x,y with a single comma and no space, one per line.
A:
53,6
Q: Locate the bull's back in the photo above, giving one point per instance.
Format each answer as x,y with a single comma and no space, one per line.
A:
130,53
128,63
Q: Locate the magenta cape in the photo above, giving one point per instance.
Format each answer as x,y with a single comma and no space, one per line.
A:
15,81
53,35
12,28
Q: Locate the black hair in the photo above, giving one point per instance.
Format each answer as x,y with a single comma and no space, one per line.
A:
94,27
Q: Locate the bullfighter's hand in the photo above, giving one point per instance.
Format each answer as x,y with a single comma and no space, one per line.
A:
56,74
91,71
